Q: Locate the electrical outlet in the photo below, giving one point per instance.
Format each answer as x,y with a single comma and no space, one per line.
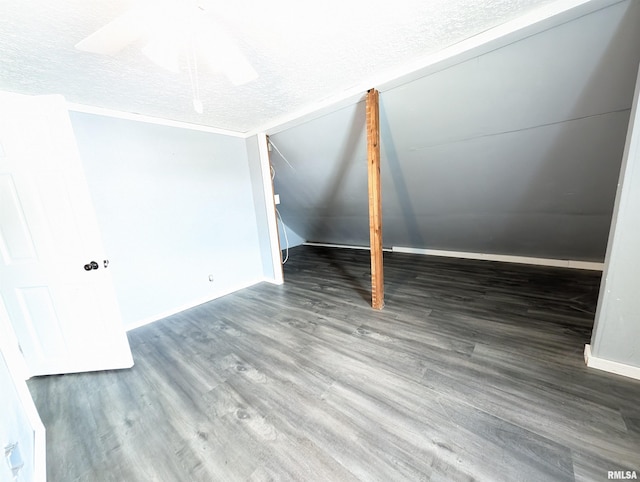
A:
210,277
276,199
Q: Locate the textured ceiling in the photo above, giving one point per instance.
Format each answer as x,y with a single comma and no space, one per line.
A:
304,52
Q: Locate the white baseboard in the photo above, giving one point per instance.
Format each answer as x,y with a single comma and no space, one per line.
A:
343,246
273,281
191,304
562,263
609,365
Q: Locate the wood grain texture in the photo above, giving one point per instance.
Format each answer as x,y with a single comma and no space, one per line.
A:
473,371
375,199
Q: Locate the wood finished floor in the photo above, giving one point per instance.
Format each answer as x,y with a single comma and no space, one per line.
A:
473,371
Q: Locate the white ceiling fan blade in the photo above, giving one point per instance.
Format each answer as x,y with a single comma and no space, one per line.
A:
239,71
115,35
163,53
222,54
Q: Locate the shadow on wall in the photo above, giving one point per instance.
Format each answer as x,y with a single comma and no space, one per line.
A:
332,205
405,205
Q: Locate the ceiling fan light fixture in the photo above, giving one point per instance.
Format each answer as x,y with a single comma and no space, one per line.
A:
172,32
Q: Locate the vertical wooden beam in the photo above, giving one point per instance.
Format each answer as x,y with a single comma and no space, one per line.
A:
375,200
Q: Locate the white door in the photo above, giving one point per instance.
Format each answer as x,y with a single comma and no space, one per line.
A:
65,318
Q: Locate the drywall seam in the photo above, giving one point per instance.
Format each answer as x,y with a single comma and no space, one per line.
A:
539,20
609,365
561,263
89,109
191,304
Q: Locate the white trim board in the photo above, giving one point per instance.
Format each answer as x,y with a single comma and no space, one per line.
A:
89,109
537,21
610,365
505,258
540,19
269,202
342,246
189,305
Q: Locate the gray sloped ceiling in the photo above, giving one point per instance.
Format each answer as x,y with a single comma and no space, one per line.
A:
516,151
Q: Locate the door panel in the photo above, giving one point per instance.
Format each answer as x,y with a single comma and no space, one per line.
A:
54,198
15,240
9,345
66,319
45,338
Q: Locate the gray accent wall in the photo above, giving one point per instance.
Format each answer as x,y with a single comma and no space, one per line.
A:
174,206
288,237
515,151
616,334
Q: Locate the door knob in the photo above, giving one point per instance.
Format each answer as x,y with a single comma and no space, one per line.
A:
90,266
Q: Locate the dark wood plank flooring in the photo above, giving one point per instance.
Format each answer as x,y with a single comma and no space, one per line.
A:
473,371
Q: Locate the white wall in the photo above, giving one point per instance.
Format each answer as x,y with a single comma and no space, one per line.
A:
174,206
261,207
